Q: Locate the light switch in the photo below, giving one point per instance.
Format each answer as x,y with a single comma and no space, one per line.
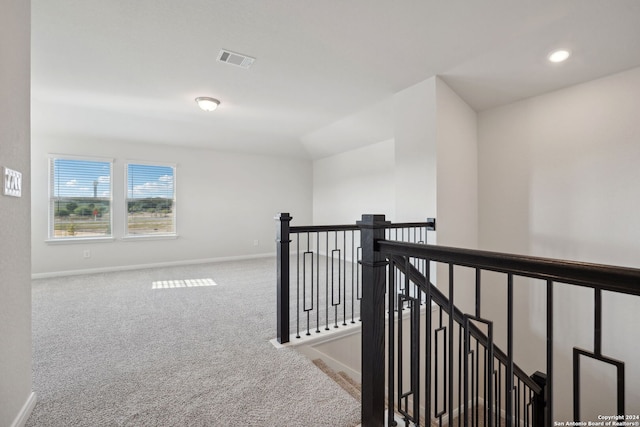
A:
12,183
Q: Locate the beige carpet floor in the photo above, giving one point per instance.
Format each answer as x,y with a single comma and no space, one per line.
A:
180,346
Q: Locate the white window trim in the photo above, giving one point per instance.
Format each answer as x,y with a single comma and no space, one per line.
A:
163,236
134,237
69,240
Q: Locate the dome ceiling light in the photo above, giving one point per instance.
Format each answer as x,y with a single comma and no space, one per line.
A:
206,103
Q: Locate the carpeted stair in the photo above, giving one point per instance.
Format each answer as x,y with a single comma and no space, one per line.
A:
355,390
347,383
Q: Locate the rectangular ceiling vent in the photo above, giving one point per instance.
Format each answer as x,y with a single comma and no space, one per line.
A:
236,59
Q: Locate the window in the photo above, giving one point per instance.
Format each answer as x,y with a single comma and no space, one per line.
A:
79,198
150,200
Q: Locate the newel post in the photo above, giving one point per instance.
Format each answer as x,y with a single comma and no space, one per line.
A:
539,401
372,229
282,250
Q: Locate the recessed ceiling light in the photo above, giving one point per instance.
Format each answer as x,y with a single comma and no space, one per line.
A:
206,103
559,55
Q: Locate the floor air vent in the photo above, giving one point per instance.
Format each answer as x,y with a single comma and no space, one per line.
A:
236,59
187,283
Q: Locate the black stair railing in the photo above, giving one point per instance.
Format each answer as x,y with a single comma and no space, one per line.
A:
319,277
446,364
484,367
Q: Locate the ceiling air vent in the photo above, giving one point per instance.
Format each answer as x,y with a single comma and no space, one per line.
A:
236,59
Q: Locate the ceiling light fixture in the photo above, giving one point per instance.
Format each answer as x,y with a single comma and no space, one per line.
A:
559,55
206,103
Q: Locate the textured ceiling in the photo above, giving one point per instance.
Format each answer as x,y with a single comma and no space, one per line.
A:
130,70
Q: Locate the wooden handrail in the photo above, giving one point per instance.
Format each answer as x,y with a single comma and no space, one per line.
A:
597,276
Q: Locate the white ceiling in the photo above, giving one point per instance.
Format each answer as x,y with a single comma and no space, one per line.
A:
130,70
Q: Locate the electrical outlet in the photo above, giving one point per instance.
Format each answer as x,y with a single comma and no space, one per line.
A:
256,242
86,253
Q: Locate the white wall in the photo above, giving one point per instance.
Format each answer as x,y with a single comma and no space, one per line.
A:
559,178
16,399
457,186
457,169
415,151
224,202
353,183
432,161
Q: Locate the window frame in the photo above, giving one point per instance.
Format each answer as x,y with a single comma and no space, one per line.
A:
51,237
130,236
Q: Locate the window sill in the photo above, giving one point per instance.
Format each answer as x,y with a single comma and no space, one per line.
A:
134,237
72,240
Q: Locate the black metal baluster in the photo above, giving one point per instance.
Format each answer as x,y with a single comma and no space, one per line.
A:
487,367
477,379
333,302
391,295
451,309
478,307
353,273
487,388
461,354
478,292
428,347
529,419
415,351
344,280
466,351
468,413
326,288
306,309
358,282
549,396
445,407
597,320
494,409
509,366
400,375
407,301
298,285
597,355
620,377
517,402
499,385
443,329
398,278
318,282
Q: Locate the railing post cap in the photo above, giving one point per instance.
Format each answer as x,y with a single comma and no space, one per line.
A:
539,378
373,221
283,216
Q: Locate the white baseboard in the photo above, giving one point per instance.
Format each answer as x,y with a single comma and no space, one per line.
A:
143,266
25,411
